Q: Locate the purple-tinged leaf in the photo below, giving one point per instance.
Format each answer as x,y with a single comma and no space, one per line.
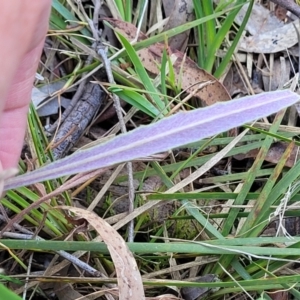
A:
181,129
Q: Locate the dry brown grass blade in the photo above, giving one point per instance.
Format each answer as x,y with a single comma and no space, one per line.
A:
129,279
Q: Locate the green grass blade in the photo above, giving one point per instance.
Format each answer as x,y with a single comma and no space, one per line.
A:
219,38
67,15
226,59
163,74
142,73
7,294
252,174
120,6
138,101
228,224
201,49
264,201
172,32
210,25
128,11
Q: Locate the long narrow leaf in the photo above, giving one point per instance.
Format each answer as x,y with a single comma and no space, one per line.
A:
68,15
180,129
141,71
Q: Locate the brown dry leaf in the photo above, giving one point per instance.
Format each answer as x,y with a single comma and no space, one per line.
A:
281,295
279,39
129,278
64,290
274,154
234,82
193,293
168,6
268,33
193,75
260,21
280,12
181,13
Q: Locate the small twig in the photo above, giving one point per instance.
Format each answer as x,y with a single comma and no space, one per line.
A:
96,15
27,278
94,23
102,53
3,214
16,226
290,5
96,69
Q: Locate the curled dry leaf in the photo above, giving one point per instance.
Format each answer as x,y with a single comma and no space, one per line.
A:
193,75
129,278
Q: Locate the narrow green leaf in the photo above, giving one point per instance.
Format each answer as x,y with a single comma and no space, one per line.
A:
142,73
